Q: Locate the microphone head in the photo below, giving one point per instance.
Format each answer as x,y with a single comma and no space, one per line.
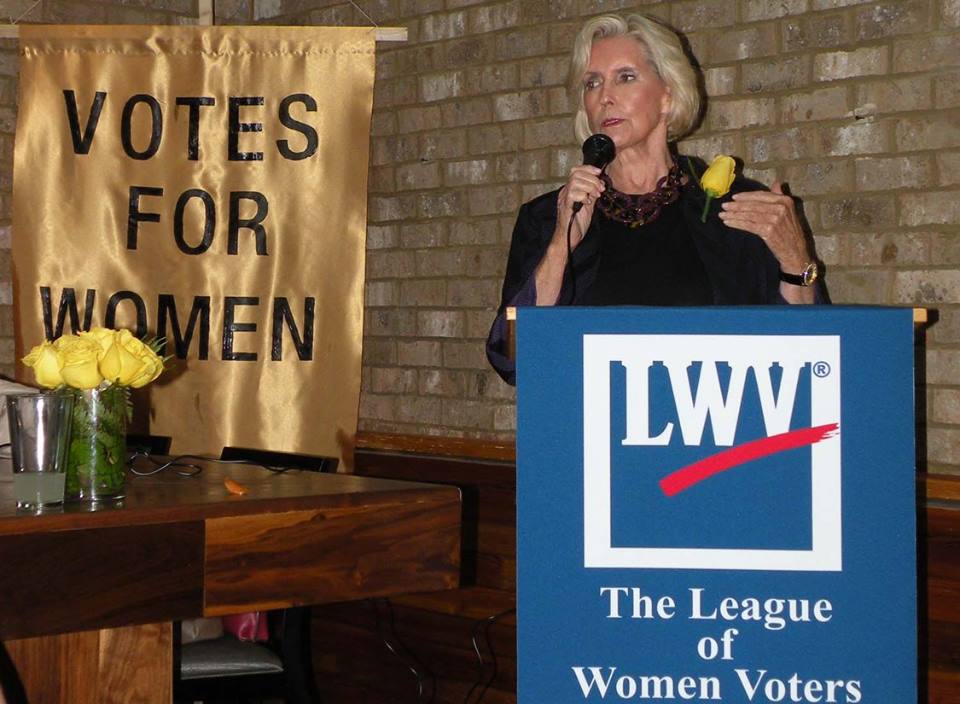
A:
598,150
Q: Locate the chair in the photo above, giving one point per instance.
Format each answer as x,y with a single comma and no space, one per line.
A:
269,458
151,444
228,670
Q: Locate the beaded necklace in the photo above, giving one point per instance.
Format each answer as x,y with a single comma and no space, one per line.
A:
637,210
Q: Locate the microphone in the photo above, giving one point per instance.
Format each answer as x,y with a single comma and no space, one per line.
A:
598,150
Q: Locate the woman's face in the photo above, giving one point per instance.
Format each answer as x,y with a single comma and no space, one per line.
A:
623,96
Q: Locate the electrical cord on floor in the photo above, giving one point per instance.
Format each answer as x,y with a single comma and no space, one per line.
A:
484,625
409,661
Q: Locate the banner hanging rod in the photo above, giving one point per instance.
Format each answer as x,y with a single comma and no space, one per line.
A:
205,18
384,34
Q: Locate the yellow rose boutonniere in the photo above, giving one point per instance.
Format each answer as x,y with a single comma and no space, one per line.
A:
716,181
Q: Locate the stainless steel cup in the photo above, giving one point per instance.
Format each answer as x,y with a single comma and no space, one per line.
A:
39,443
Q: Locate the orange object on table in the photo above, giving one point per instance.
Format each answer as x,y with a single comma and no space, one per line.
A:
234,487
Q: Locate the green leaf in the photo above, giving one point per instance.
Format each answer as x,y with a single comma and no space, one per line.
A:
97,455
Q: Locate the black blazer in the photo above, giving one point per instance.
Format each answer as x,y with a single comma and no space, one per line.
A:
739,266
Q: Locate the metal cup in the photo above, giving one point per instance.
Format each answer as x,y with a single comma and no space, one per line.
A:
39,442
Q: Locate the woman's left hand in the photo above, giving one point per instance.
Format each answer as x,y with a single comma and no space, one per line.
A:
771,216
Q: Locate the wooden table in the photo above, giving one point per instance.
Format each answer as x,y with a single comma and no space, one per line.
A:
87,597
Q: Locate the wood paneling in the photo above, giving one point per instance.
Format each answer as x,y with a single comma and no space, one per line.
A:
939,584
312,557
369,651
355,664
58,669
940,487
75,580
95,667
149,678
437,446
488,490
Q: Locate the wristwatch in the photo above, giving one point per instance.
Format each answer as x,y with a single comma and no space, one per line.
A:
807,277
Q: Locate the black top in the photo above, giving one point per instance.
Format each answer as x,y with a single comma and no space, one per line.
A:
656,264
739,268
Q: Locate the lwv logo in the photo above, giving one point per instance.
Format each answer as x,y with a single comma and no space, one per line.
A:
708,402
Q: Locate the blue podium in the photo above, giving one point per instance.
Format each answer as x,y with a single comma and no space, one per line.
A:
716,504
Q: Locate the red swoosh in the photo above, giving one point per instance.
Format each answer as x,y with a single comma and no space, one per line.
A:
686,477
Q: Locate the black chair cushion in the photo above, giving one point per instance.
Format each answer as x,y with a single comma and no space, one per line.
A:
226,657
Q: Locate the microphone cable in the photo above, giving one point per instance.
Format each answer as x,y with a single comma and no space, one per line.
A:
573,274
598,150
409,660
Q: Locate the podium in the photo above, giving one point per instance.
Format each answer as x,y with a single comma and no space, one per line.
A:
716,504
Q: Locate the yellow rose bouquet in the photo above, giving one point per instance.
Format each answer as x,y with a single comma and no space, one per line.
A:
98,367
95,359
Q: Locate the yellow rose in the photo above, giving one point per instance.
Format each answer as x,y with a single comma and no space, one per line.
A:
718,178
80,355
130,362
153,365
103,336
46,362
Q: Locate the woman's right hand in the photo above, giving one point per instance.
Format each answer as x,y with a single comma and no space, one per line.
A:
584,186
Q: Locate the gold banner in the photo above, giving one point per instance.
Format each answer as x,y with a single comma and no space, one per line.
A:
206,185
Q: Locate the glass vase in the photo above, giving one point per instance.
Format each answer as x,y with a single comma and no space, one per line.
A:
96,468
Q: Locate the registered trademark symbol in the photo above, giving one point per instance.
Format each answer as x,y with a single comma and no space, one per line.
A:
821,369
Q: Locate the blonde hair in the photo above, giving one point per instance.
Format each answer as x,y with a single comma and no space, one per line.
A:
664,52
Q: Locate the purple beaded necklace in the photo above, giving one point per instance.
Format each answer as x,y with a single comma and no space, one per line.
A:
637,210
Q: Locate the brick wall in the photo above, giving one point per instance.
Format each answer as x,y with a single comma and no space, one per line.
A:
854,104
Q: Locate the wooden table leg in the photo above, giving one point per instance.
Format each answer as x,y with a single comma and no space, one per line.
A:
111,666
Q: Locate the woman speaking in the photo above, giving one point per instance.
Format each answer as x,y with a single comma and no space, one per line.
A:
642,230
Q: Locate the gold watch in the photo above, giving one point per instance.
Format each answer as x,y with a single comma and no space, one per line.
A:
809,275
